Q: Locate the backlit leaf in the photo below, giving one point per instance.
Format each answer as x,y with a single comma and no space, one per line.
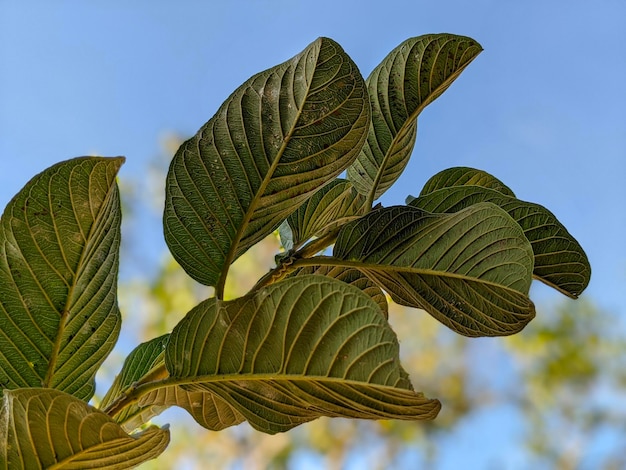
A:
471,270
353,277
276,140
333,205
148,358
412,76
560,261
59,250
46,428
465,176
299,349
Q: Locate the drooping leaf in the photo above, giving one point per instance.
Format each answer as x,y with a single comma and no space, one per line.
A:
208,409
560,261
333,205
276,140
471,270
146,360
296,350
350,276
47,428
465,176
59,250
412,76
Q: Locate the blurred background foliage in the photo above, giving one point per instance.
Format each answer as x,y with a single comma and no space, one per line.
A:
562,380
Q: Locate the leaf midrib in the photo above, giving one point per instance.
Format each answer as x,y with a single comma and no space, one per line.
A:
371,197
65,314
362,266
229,258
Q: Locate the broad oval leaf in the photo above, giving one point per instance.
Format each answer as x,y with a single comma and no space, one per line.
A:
47,428
296,350
471,270
335,204
276,140
59,254
465,176
560,261
412,76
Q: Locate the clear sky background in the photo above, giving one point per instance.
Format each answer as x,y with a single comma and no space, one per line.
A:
543,108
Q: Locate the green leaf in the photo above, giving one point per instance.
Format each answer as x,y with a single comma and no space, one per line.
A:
560,261
148,361
350,276
412,76
335,204
471,270
145,359
208,409
465,176
296,350
59,252
277,139
46,428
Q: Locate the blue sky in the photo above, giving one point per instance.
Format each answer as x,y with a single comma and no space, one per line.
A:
543,108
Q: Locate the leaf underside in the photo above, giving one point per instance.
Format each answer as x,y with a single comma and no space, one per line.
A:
560,261
46,428
299,349
59,254
277,139
471,270
412,76
335,204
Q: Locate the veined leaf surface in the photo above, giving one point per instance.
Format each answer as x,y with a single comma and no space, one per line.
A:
276,140
560,261
350,276
47,428
465,176
147,359
59,252
471,270
333,205
299,349
412,76
144,359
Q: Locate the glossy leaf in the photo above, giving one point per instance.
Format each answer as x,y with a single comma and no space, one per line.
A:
59,253
277,139
46,428
412,76
560,261
335,204
471,270
299,349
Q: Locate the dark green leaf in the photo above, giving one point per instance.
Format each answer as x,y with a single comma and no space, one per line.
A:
470,270
276,140
59,251
560,261
465,176
412,76
46,428
299,349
